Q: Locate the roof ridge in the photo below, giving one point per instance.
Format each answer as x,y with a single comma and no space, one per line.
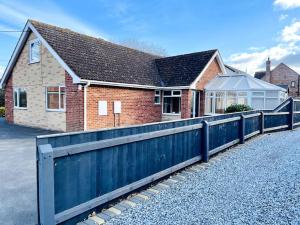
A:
91,37
188,54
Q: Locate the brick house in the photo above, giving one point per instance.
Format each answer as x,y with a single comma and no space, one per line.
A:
62,80
283,76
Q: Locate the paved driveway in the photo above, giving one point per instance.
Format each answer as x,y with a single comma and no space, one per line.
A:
17,174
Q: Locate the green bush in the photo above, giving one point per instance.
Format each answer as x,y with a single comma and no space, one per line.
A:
237,108
2,111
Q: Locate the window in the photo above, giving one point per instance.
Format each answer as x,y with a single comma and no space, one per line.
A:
20,98
258,100
242,98
56,98
220,102
293,84
172,102
231,98
34,51
157,97
209,102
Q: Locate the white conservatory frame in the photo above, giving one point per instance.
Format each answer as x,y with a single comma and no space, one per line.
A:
281,96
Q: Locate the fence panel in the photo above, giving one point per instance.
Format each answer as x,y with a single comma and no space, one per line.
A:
92,168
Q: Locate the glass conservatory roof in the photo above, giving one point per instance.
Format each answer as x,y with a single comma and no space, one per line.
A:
240,82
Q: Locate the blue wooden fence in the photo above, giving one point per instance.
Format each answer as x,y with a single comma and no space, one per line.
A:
78,172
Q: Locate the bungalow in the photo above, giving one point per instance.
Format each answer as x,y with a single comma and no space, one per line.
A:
62,80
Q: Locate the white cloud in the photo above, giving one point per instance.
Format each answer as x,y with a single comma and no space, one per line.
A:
287,49
291,33
287,4
16,14
283,17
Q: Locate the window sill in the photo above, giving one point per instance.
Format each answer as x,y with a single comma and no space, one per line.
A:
156,103
172,114
33,62
20,108
55,110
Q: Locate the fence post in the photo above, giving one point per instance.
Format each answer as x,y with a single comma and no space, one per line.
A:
205,150
242,129
46,185
292,114
262,122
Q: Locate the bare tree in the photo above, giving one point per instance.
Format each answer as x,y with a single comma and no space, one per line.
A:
144,46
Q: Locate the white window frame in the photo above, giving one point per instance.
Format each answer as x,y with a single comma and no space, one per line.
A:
293,84
59,109
35,41
157,95
170,96
18,98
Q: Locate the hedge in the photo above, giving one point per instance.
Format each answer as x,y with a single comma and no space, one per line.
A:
2,111
237,108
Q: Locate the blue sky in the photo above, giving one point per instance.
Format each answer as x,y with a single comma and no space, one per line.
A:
245,32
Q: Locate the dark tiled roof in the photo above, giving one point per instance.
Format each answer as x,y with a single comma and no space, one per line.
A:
232,69
260,75
182,70
96,59
285,86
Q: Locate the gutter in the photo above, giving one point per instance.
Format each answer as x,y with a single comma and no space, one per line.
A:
113,84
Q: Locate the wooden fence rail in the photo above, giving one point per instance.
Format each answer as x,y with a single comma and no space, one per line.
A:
78,172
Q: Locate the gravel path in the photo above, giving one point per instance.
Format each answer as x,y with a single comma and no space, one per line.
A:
255,183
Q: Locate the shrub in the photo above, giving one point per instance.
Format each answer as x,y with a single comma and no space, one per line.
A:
237,108
2,111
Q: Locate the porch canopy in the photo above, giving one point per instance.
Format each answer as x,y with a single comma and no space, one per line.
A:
242,88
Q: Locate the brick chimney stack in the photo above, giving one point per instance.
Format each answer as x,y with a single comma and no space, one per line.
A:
268,70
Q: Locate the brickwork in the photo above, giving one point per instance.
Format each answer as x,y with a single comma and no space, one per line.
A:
137,107
9,101
282,74
34,78
74,105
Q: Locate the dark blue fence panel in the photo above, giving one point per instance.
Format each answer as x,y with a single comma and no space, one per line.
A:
252,124
84,176
297,106
297,118
276,120
223,133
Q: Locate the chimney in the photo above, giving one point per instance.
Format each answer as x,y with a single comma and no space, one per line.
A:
268,70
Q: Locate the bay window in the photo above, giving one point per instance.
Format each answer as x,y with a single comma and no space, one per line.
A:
20,98
55,98
172,102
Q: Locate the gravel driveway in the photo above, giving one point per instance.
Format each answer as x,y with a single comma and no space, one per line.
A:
255,183
17,174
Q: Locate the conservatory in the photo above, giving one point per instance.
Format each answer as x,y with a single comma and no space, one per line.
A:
229,89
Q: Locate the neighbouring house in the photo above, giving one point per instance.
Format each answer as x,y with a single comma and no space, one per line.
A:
62,80
283,76
237,87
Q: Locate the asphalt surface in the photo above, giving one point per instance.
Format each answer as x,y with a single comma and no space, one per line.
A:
255,183
18,174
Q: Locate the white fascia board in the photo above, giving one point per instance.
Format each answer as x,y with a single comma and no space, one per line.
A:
220,62
15,55
75,78
114,84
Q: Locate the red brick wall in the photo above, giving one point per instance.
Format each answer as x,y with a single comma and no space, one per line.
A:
186,96
212,71
74,105
137,107
9,101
